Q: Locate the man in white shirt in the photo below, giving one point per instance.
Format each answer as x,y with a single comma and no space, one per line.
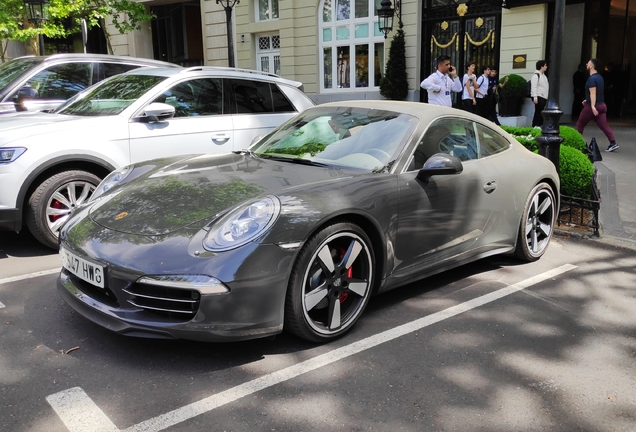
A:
440,83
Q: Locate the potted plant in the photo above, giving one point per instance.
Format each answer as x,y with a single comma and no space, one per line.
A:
511,95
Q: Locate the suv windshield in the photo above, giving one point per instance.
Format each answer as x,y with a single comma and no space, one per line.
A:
111,97
349,137
9,71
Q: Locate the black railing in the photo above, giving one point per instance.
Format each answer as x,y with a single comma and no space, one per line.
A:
576,210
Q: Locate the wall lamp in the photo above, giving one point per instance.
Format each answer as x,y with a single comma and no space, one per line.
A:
385,15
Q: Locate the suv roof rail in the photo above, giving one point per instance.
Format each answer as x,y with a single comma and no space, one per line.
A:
230,69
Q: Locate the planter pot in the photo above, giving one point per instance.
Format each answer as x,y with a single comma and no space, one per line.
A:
510,106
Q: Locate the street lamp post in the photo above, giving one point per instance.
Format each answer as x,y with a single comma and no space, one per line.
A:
550,139
37,13
228,5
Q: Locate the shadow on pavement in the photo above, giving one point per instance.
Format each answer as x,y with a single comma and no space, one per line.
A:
22,245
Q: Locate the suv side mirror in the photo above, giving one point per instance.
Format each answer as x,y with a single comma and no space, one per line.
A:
25,93
155,112
440,164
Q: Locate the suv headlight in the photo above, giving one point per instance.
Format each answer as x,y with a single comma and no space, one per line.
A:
111,180
242,225
9,154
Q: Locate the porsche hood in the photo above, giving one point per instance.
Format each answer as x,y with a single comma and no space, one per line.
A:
166,198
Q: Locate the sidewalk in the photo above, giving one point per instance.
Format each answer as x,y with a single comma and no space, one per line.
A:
617,182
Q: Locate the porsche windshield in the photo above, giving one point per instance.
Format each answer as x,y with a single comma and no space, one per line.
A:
111,97
349,137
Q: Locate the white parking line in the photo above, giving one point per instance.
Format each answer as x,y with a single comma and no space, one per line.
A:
79,413
29,276
1,305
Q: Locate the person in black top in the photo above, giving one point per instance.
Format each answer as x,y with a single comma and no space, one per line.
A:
594,104
493,94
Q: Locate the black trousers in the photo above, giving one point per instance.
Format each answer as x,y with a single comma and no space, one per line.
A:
467,105
482,107
537,120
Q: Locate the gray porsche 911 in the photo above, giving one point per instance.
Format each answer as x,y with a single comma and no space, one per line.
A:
342,202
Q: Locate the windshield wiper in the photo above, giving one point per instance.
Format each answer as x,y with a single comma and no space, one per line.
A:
297,161
245,152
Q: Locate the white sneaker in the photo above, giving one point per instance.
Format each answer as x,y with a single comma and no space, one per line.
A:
611,147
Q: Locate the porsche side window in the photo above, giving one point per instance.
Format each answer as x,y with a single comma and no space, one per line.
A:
453,136
490,141
199,97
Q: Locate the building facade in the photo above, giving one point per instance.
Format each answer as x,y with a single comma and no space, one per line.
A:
337,50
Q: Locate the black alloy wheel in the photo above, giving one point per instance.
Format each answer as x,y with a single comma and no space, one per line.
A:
537,223
331,283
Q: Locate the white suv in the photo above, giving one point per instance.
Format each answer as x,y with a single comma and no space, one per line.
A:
52,162
37,83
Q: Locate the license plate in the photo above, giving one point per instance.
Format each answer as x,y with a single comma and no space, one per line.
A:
87,271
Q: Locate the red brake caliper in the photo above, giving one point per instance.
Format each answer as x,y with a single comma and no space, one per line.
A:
344,295
58,205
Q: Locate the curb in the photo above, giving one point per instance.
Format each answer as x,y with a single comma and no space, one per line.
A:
606,240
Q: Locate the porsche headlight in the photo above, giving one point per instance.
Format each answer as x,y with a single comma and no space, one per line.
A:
242,225
111,180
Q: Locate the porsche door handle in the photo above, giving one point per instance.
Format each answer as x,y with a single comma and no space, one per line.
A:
490,186
220,138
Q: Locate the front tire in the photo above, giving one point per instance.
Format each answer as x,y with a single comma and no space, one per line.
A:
330,284
537,223
51,203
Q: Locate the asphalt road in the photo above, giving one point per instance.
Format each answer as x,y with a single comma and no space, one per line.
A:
492,346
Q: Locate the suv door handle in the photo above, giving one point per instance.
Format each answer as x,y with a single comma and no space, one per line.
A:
221,138
490,186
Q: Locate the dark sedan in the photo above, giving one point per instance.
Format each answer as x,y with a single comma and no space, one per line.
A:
344,201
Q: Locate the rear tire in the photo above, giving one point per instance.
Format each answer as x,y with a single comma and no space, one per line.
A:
537,223
330,284
51,203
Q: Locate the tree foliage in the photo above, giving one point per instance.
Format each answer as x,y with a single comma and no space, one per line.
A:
66,17
394,84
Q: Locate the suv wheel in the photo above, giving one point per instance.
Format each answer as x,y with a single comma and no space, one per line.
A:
52,202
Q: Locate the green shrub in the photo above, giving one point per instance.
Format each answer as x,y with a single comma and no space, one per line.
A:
572,138
525,135
521,131
576,172
515,87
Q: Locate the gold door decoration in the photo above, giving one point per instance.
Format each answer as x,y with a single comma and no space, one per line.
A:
490,35
455,39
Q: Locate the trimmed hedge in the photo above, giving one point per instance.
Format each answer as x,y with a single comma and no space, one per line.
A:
571,137
576,172
575,169
515,87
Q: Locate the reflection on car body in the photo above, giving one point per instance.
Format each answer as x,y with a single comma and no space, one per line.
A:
333,206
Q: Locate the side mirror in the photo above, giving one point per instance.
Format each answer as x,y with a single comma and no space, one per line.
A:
155,112
25,93
440,164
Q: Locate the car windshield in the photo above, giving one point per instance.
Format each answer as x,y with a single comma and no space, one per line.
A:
110,97
349,137
13,69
